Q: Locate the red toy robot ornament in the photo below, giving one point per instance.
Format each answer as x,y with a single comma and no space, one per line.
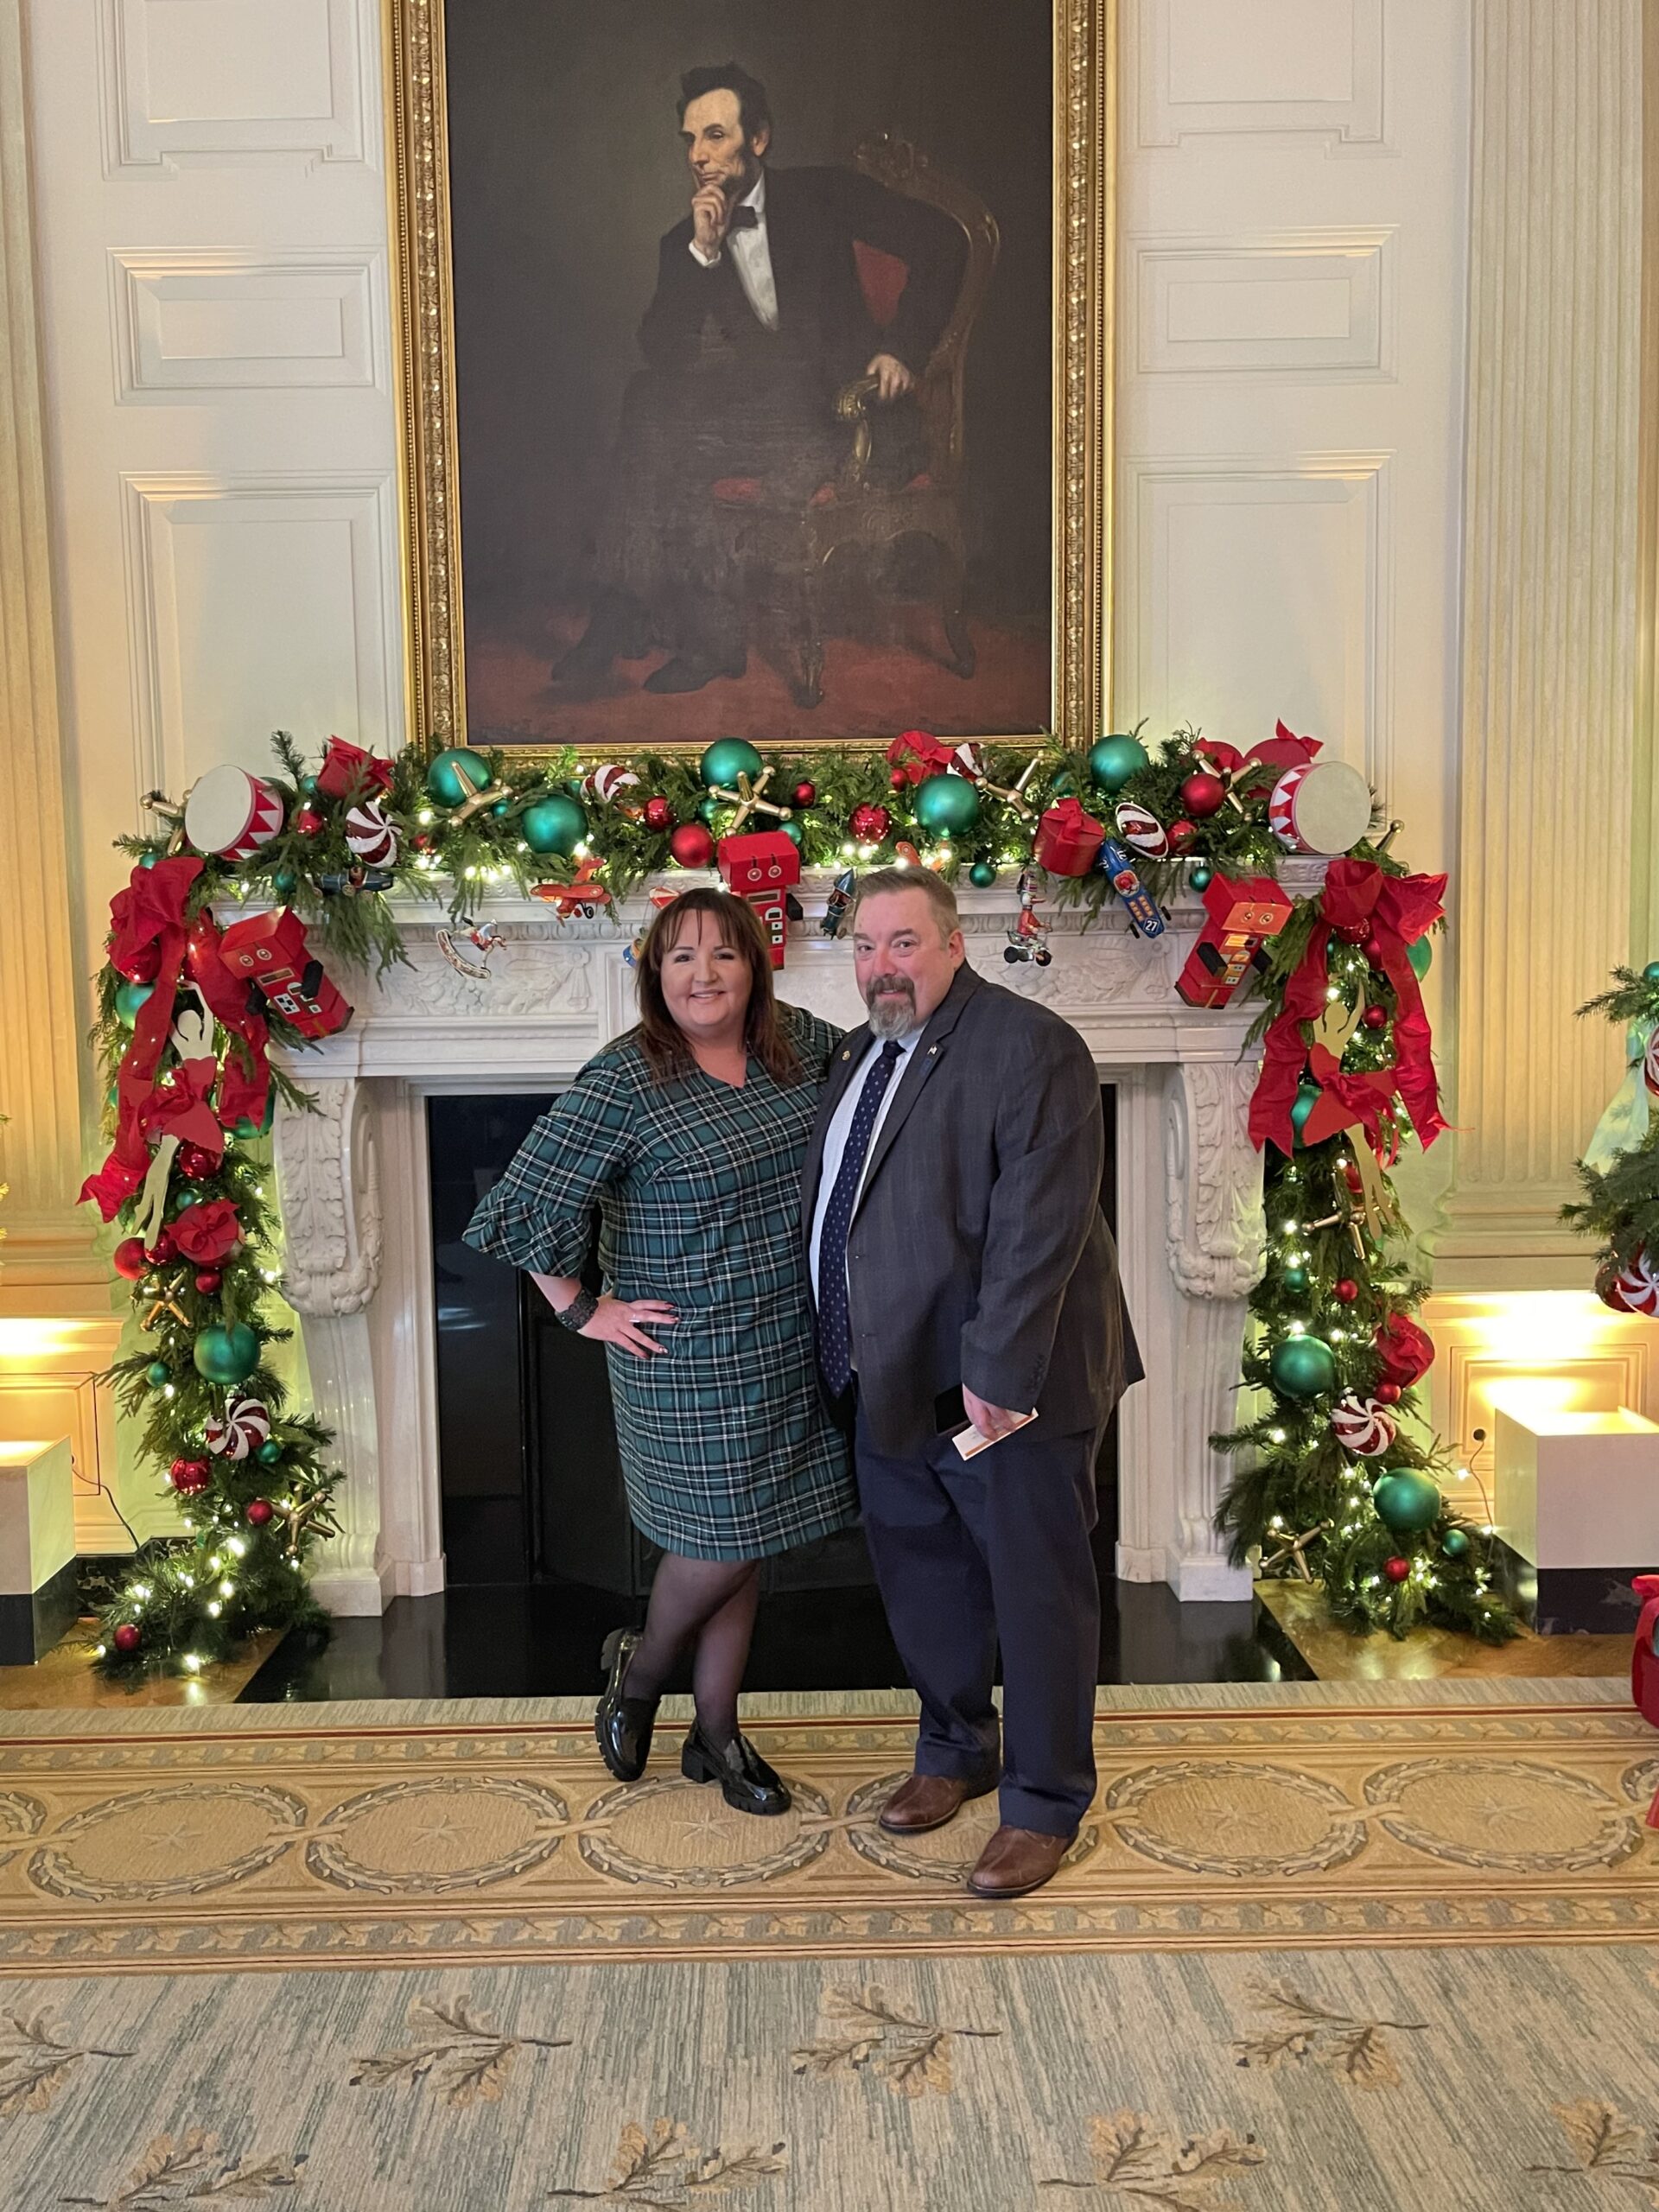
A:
1241,916
269,951
760,867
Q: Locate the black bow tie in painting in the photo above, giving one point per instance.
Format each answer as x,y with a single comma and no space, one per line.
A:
744,218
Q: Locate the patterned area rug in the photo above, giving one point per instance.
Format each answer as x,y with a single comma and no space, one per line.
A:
373,1836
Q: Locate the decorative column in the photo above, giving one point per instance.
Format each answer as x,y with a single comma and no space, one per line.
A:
47,1249
1548,764
328,1179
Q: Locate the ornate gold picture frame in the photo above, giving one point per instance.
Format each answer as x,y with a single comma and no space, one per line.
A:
439,498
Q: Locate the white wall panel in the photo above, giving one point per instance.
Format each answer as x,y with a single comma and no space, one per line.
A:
257,605
191,323
1230,66
1294,304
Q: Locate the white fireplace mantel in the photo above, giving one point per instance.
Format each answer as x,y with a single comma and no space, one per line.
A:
355,1192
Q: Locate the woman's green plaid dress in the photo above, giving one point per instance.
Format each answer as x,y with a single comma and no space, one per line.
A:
726,1450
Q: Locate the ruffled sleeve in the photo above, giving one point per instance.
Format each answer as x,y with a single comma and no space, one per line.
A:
539,1216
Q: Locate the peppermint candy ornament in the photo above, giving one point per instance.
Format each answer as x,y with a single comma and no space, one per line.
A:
608,783
1361,1426
1650,1064
1635,1287
245,1426
370,835
1142,831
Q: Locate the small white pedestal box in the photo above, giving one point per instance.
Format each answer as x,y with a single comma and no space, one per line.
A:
37,1549
1577,1503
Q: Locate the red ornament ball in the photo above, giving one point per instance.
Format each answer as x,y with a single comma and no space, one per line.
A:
1347,1289
1353,932
141,965
660,815
898,780
125,1637
188,1475
1396,1569
1203,794
1376,1017
129,1259
162,1249
208,1282
259,1510
691,845
195,1161
422,842
870,824
805,795
1180,834
1388,1393
1372,949
307,822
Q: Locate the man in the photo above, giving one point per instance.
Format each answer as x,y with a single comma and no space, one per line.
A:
757,322
962,1271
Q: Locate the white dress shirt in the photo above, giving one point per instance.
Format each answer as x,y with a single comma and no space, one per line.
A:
835,1137
752,257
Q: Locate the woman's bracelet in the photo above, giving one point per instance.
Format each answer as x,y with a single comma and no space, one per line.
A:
579,1312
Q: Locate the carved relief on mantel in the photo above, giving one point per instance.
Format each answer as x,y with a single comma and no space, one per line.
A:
530,973
1215,1230
329,1181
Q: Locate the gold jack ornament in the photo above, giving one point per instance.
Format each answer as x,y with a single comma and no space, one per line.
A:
748,798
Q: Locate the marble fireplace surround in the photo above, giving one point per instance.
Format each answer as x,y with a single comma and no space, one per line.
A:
355,1199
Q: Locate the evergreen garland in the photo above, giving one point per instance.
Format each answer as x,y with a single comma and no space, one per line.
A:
1620,1176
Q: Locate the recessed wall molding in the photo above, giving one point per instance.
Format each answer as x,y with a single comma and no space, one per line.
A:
192,323
1299,305
1205,69
219,82
257,602
1312,639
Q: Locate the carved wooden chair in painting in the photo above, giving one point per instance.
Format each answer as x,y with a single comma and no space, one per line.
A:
856,512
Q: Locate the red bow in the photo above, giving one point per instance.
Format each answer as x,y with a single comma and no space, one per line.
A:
1347,1100
1406,1352
919,755
245,1078
180,1108
1396,910
149,912
206,1232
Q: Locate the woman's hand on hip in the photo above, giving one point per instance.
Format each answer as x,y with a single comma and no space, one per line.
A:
625,1321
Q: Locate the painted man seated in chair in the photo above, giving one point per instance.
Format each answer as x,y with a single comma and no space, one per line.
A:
799,362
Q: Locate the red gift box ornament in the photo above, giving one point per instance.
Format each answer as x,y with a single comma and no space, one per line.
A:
760,868
1243,915
1068,839
352,772
269,951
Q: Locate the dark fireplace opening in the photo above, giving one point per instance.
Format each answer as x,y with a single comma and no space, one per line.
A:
533,1503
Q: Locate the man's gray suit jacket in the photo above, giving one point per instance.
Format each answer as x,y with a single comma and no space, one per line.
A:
978,1255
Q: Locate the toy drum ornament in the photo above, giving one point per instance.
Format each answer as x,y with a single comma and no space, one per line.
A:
1320,806
229,812
245,1426
370,835
1144,832
1362,1427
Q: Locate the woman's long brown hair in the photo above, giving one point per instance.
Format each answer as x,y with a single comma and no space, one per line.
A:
661,1038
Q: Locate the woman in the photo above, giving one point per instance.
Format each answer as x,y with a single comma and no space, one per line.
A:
688,1134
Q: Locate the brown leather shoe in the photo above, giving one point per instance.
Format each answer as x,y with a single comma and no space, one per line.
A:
1016,1860
927,1800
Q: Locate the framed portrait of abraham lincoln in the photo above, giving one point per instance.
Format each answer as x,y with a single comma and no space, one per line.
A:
756,369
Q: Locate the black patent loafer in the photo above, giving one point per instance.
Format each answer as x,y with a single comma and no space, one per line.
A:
746,1782
623,1725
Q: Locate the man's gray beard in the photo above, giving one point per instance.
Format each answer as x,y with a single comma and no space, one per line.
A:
893,1018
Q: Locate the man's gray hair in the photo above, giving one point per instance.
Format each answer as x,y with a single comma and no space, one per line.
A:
934,888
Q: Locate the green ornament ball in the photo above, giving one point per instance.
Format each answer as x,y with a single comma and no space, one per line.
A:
794,832
309,785
156,1373
946,806
148,859
1064,784
186,1199
710,810
456,773
269,1452
1407,1502
285,883
129,997
502,808
982,875
1650,973
226,1355
1455,1542
726,759
1202,878
1303,1367
247,1127
1307,1098
1422,957
1114,759
554,824
1295,1279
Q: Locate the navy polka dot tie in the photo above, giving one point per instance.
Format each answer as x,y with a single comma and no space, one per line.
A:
834,1325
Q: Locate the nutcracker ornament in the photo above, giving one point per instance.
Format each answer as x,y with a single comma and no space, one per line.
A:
1028,938
838,904
761,868
269,951
1243,915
